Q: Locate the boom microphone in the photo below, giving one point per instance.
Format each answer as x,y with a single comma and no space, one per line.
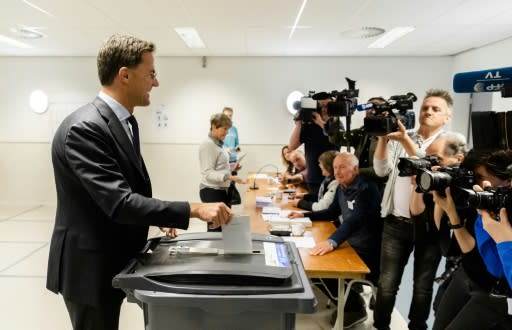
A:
492,80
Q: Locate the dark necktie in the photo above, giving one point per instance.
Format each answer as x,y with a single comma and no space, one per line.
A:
135,132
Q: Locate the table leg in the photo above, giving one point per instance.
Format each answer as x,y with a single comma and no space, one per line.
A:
341,304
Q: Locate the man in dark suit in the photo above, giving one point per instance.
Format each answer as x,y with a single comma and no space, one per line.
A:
104,203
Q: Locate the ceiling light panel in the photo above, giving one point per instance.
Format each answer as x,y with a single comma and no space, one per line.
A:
190,36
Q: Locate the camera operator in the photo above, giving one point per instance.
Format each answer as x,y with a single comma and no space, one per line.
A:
398,233
315,139
364,146
449,150
475,298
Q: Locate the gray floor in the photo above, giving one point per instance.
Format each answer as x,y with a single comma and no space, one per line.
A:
25,231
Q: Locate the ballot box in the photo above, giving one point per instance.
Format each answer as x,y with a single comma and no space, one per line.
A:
190,283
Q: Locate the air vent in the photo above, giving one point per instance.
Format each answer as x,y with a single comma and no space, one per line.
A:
362,32
25,32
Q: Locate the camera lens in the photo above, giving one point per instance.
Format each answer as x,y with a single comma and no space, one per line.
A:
428,181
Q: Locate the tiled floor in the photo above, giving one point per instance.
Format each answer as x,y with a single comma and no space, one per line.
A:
25,232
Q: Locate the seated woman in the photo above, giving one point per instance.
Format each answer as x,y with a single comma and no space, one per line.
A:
327,190
285,158
299,163
214,164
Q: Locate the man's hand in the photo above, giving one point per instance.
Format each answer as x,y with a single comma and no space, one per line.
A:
321,248
216,214
294,215
400,134
169,232
317,119
445,203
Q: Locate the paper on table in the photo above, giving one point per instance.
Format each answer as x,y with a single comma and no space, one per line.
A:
236,235
302,241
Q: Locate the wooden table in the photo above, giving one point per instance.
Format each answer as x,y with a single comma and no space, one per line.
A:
342,263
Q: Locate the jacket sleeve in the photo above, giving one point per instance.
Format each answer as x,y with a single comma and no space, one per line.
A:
330,213
90,152
383,167
505,253
327,198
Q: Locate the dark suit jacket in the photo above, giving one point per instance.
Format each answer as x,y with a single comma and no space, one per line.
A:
104,204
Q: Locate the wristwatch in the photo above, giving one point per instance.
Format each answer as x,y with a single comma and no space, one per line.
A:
456,226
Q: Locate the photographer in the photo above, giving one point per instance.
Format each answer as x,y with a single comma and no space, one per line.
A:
449,151
315,139
398,233
475,297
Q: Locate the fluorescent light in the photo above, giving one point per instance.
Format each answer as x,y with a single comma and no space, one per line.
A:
297,19
391,36
14,43
37,8
190,37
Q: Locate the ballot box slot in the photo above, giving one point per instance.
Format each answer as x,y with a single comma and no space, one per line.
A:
220,279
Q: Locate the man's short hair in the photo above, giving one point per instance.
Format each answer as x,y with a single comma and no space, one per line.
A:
354,161
455,143
220,120
227,109
120,51
445,95
377,100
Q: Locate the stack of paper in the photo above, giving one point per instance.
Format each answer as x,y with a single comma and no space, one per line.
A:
271,210
274,219
262,201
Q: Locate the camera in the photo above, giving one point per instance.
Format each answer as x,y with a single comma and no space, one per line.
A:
444,177
345,102
385,120
308,104
413,166
341,104
491,199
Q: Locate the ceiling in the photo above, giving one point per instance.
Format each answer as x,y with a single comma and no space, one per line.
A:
258,27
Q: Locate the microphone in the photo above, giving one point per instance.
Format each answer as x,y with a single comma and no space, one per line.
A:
492,80
254,186
364,106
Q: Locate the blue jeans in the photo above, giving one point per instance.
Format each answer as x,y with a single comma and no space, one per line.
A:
399,239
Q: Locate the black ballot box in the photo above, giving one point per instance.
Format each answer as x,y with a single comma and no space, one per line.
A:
189,283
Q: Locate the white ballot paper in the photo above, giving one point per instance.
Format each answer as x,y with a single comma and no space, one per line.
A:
236,235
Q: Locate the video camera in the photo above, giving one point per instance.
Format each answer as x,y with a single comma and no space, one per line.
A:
452,176
384,120
414,166
341,104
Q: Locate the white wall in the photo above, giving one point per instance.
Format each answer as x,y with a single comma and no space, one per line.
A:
256,87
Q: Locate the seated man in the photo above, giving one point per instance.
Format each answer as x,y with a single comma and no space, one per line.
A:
357,199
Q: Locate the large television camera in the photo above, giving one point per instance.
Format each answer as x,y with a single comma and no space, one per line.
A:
340,104
455,177
385,120
414,166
